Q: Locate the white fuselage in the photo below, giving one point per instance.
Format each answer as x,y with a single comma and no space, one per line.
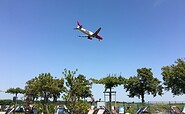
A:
89,33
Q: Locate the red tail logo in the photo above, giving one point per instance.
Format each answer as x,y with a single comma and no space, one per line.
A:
78,23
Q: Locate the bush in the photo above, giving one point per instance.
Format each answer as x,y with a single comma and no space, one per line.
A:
6,102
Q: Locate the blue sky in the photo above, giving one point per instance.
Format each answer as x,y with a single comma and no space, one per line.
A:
37,36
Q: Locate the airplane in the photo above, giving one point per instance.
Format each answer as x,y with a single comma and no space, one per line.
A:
89,34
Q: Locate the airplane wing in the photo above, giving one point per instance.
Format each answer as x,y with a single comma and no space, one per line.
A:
83,36
94,35
89,37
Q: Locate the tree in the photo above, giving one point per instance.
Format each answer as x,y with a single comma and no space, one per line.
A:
15,91
174,77
58,85
143,83
110,82
45,86
77,89
5,102
31,90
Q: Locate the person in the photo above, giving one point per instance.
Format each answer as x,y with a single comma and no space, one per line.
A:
31,109
114,110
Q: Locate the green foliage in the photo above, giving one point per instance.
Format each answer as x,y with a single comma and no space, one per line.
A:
40,107
174,77
31,89
110,81
143,83
82,107
15,91
51,108
44,86
77,89
5,102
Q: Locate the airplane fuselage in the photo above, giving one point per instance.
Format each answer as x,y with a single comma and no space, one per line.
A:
89,33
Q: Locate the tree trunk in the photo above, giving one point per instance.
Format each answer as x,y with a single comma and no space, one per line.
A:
15,103
33,99
54,98
110,99
142,98
16,98
46,102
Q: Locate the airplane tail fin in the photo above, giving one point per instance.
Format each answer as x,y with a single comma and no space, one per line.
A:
79,23
79,26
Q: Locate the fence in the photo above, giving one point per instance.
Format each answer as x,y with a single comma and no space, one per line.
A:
166,102
153,106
